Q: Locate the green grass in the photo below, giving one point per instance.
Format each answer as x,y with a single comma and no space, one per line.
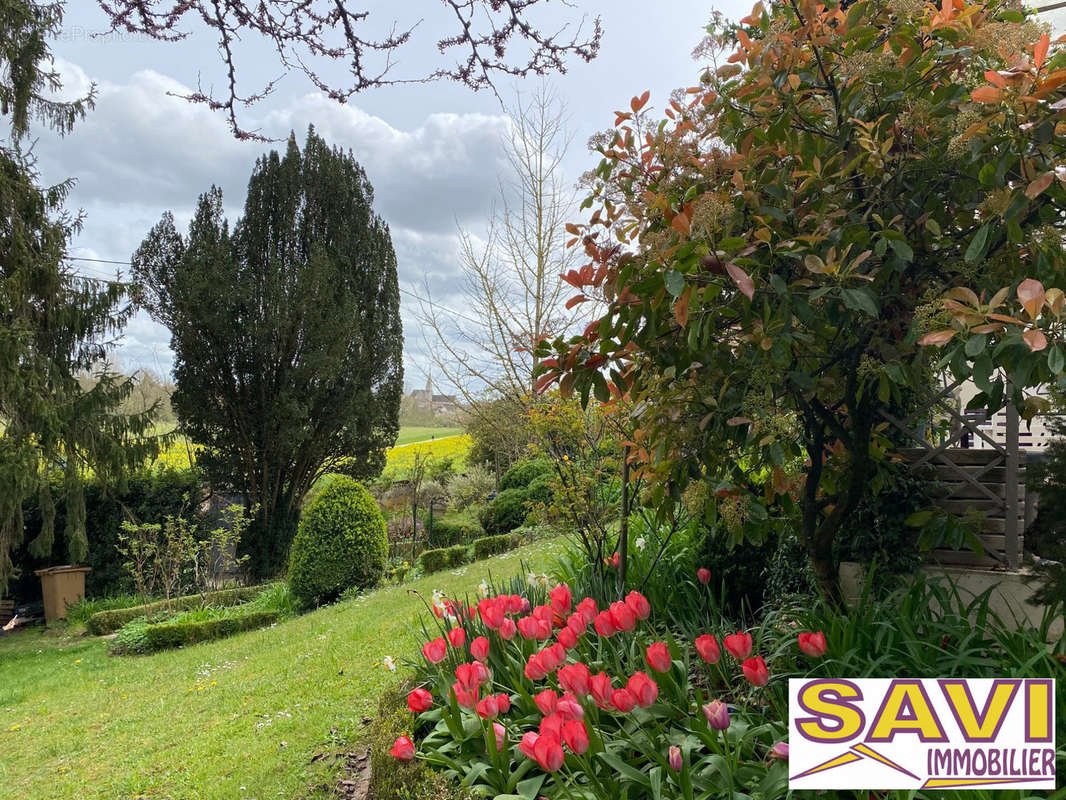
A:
410,434
238,718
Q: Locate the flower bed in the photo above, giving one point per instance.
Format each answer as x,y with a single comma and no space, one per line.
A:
535,694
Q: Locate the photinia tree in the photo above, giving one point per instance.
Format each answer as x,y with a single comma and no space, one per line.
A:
774,253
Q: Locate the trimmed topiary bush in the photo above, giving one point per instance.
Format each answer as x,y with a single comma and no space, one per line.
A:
540,489
340,544
522,473
433,560
448,534
506,512
141,637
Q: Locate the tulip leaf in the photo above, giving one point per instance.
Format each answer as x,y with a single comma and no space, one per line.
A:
530,787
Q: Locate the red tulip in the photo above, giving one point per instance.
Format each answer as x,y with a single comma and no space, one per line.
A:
621,617
569,708
812,644
643,688
529,739
508,629
561,599
575,678
457,637
567,639
514,603
552,725
576,736
717,714
738,644
543,613
604,625
587,609
501,735
467,698
535,669
419,700
639,605
403,749
479,648
616,559
755,671
623,700
488,708
576,623
658,657
472,675
492,611
548,752
674,758
601,688
528,627
503,700
436,650
546,701
707,647
703,575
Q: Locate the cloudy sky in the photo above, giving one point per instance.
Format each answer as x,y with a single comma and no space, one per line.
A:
432,152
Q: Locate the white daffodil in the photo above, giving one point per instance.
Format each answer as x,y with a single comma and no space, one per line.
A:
388,664
483,589
641,543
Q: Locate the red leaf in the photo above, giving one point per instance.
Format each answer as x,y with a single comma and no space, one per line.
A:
936,338
1039,185
681,308
573,301
741,279
995,78
987,94
1031,296
1035,339
681,223
637,103
1040,51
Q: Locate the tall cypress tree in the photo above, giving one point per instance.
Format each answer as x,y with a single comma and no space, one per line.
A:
286,334
54,326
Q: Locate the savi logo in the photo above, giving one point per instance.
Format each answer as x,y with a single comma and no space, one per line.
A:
910,733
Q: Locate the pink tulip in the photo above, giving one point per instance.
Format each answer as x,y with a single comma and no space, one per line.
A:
546,701
575,678
779,750
508,629
529,739
457,637
707,647
674,758
703,575
643,688
576,736
623,700
501,735
717,714
658,657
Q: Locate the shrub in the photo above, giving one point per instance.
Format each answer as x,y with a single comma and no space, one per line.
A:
395,780
446,534
433,560
458,555
491,545
471,487
144,637
104,622
540,489
340,544
522,474
507,511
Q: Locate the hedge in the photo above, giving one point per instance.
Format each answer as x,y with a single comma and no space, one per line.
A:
458,555
492,545
523,473
433,560
447,534
391,779
167,635
104,622
507,511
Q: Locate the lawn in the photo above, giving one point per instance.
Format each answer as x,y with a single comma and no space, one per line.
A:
409,434
240,718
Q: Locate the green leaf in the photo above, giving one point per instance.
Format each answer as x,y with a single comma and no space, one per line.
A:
732,242
902,249
599,387
976,344
860,300
919,519
1055,360
675,282
977,245
530,787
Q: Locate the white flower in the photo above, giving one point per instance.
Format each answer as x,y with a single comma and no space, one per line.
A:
483,589
532,579
388,663
641,543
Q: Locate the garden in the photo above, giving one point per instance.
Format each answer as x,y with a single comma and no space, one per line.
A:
745,415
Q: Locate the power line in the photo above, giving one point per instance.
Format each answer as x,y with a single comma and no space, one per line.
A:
407,292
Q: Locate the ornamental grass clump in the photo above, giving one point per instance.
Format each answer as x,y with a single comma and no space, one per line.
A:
538,693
